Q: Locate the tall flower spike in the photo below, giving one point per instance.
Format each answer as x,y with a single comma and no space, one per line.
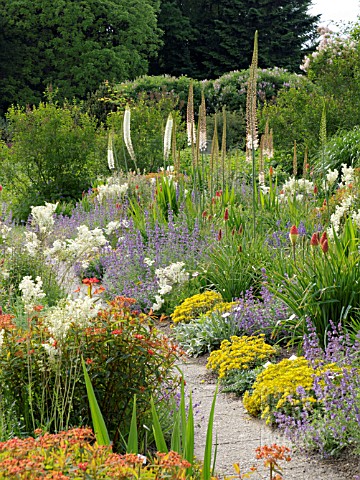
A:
202,124
167,137
251,117
110,152
127,135
190,119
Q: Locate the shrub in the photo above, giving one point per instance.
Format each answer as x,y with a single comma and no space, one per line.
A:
40,365
241,353
54,155
73,454
194,306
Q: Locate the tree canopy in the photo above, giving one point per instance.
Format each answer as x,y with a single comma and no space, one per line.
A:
207,38
72,45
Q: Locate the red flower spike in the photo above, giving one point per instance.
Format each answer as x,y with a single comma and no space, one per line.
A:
219,235
271,171
293,235
323,238
314,242
325,246
226,214
315,189
204,214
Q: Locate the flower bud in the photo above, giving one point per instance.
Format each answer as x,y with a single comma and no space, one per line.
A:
226,214
314,242
219,235
325,246
293,235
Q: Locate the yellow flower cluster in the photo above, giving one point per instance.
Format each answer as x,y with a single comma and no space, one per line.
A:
221,307
196,305
276,387
241,353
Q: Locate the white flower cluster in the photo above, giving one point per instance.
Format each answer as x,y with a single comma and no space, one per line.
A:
70,312
111,227
340,211
331,176
2,333
43,216
167,277
347,177
31,292
4,231
356,217
32,243
299,187
113,190
81,248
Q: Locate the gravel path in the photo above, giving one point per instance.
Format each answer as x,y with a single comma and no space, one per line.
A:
238,434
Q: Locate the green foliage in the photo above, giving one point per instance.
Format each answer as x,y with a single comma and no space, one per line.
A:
342,148
205,334
296,115
240,381
229,90
55,153
73,46
322,286
230,269
18,263
101,433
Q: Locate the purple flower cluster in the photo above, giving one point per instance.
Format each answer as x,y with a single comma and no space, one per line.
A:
334,421
259,314
127,267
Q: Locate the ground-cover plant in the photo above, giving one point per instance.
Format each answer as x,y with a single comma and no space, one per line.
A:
240,353
196,305
73,454
41,369
275,388
334,424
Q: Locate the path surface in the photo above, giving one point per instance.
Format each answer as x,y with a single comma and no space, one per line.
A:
238,434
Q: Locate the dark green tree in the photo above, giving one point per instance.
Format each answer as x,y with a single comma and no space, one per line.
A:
72,45
219,35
